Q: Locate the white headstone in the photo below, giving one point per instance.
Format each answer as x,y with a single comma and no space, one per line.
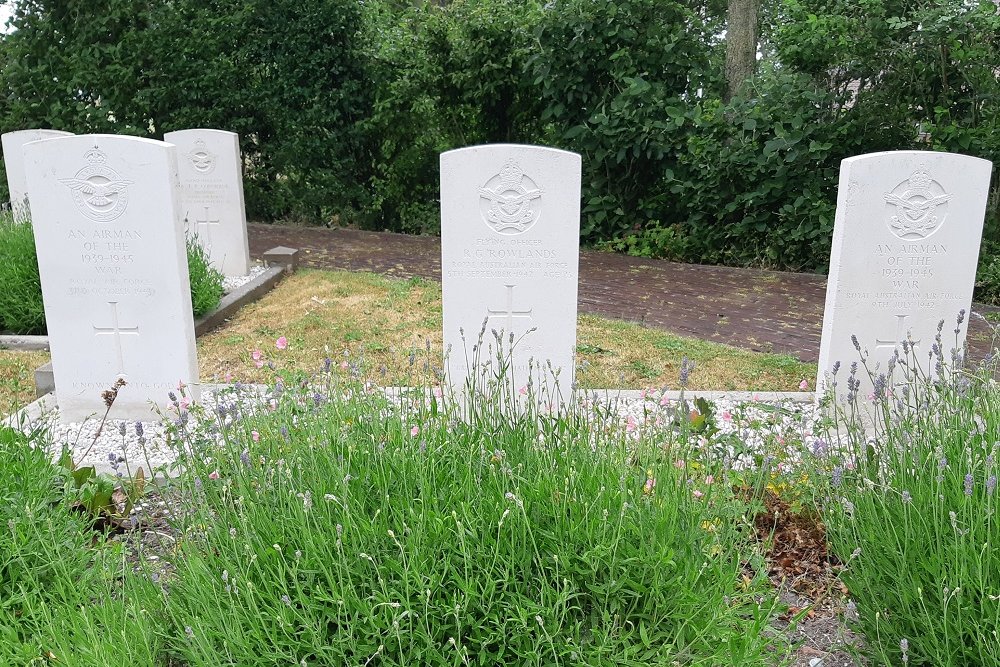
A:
111,253
510,247
905,247
211,176
13,161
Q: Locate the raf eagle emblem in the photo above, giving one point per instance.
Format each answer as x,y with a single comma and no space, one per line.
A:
100,192
507,200
919,204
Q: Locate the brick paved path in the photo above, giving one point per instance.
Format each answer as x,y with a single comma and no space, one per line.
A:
759,310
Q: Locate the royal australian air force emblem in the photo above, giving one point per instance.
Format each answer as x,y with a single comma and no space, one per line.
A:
509,202
917,207
202,159
99,191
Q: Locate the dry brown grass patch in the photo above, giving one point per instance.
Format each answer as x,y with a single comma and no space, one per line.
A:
383,322
325,313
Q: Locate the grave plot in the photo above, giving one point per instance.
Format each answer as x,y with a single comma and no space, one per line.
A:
510,241
905,248
111,255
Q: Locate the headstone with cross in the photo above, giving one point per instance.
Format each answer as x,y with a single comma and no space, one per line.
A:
510,230
211,176
110,240
905,248
13,162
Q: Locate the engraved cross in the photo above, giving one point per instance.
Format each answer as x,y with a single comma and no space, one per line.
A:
509,313
901,335
116,330
207,223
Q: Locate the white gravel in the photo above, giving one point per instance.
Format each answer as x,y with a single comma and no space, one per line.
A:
123,445
231,283
745,427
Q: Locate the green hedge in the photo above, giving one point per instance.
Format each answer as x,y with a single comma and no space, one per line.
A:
343,107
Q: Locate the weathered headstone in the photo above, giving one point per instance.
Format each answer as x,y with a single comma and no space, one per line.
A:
510,242
905,247
211,177
13,160
111,253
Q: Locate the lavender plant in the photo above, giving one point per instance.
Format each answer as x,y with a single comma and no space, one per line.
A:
337,524
66,597
911,508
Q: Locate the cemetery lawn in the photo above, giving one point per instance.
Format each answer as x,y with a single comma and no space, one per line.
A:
324,313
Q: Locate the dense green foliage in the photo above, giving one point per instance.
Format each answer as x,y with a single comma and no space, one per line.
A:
339,525
393,529
343,107
147,68
59,597
21,308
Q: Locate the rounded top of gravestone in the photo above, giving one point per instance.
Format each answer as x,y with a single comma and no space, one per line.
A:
924,156
36,134
201,146
508,147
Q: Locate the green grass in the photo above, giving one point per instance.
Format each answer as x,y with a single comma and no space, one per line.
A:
66,597
21,308
362,532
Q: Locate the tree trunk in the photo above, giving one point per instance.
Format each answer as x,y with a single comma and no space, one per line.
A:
741,44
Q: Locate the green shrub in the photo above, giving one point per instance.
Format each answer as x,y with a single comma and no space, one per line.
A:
287,75
21,309
988,274
912,510
756,184
206,281
446,77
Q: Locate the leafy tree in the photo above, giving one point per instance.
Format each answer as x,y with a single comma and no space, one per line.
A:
446,77
287,76
620,81
75,65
